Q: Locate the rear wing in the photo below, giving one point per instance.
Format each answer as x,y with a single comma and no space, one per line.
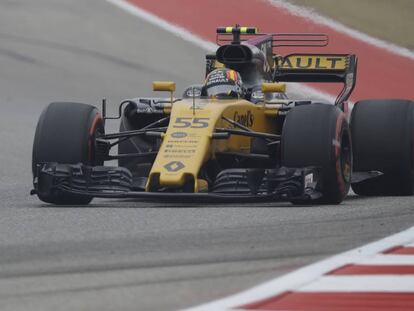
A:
226,35
340,68
236,49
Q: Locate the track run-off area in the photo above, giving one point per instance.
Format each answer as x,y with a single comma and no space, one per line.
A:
129,255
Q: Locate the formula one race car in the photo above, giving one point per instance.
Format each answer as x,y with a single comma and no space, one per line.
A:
237,137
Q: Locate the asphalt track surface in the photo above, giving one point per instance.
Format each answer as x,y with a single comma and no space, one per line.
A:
127,255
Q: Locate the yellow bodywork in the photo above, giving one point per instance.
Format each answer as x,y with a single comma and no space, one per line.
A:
188,144
166,86
273,87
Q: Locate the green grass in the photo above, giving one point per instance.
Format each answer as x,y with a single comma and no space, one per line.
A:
390,20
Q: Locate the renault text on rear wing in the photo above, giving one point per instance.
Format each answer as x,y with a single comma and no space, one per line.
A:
318,68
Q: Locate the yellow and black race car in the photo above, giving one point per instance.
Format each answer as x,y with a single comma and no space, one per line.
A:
235,137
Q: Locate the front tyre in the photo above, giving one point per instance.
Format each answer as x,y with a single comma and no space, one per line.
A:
66,133
318,135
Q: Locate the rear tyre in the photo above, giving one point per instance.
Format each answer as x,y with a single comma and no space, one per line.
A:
66,134
318,135
383,138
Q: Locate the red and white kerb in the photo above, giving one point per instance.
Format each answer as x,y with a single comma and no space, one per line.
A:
377,276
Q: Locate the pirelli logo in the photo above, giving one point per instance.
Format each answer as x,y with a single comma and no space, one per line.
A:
313,62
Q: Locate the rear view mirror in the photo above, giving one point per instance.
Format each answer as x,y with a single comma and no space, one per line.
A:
273,87
164,86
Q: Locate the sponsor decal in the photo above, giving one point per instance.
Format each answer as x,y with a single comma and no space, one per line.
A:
181,141
314,62
193,92
174,166
180,151
179,134
218,77
246,119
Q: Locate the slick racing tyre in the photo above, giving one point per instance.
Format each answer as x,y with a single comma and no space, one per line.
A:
383,138
66,134
318,135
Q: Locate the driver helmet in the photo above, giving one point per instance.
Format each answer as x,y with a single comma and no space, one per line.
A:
224,83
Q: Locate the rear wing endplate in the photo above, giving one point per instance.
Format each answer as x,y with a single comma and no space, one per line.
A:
340,68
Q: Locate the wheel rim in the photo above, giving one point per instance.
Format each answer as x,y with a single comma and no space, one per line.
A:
95,131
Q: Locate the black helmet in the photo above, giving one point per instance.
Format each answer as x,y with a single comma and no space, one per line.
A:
224,83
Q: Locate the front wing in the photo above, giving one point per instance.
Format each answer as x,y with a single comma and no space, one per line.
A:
236,185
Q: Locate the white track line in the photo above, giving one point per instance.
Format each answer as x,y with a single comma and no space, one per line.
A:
354,283
387,260
163,24
312,16
308,274
300,89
